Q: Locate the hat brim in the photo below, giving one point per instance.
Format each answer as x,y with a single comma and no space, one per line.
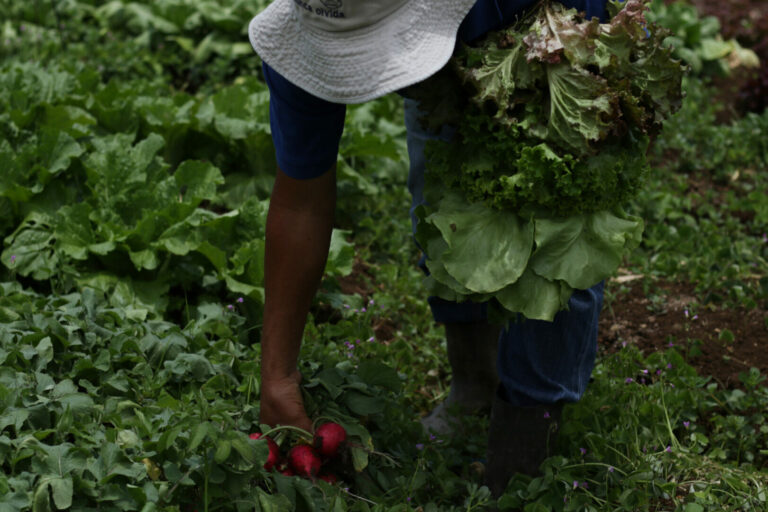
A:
355,66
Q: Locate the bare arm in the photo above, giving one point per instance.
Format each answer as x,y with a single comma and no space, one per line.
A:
299,225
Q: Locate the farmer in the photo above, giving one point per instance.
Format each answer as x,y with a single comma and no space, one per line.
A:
318,56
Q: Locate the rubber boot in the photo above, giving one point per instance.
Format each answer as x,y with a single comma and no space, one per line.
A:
519,439
472,355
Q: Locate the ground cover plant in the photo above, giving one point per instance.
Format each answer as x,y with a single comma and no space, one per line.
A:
132,200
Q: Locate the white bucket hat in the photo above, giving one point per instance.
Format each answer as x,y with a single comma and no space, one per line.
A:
351,51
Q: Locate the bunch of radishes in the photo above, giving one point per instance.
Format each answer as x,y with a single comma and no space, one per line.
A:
307,460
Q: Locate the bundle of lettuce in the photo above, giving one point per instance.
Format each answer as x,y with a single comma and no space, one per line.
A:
551,120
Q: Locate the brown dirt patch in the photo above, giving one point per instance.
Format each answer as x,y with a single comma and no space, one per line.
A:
718,342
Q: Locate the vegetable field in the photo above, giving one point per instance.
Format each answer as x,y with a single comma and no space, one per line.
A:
136,164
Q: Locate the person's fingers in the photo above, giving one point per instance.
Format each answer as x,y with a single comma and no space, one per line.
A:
283,404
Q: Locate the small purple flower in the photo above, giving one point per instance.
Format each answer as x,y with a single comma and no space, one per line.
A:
623,344
408,498
670,344
687,424
357,342
546,415
370,302
645,372
658,372
583,451
669,366
765,238
363,310
240,300
610,469
230,307
432,437
695,317
419,446
13,259
671,385
575,484
686,313
629,380
354,311
642,381
371,339
668,449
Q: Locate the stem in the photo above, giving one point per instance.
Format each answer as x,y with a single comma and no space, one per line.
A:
321,418
385,456
176,485
360,497
599,464
672,436
58,25
280,428
205,489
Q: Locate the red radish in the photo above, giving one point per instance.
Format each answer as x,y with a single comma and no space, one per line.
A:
274,451
304,460
328,477
329,438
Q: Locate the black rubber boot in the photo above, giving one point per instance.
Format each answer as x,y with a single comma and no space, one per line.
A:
472,351
519,439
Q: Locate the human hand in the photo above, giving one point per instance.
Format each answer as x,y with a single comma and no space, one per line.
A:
282,403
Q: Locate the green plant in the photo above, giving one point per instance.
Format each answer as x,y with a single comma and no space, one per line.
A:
697,40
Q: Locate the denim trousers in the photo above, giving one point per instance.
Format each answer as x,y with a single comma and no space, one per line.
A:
538,362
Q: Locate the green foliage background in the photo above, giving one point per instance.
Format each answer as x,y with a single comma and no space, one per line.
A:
136,165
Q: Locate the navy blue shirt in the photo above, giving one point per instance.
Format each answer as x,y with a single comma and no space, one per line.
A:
306,130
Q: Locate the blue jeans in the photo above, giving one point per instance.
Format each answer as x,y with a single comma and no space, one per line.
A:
538,362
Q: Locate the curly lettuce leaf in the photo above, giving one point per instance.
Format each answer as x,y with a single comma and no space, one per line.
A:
504,71
583,108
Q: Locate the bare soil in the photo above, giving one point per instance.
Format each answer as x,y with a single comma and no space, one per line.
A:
719,342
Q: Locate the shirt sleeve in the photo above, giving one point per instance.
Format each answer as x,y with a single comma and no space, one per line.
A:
306,130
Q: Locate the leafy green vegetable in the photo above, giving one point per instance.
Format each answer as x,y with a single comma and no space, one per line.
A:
552,118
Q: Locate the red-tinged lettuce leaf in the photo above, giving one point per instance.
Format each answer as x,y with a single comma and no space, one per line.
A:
559,32
582,250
